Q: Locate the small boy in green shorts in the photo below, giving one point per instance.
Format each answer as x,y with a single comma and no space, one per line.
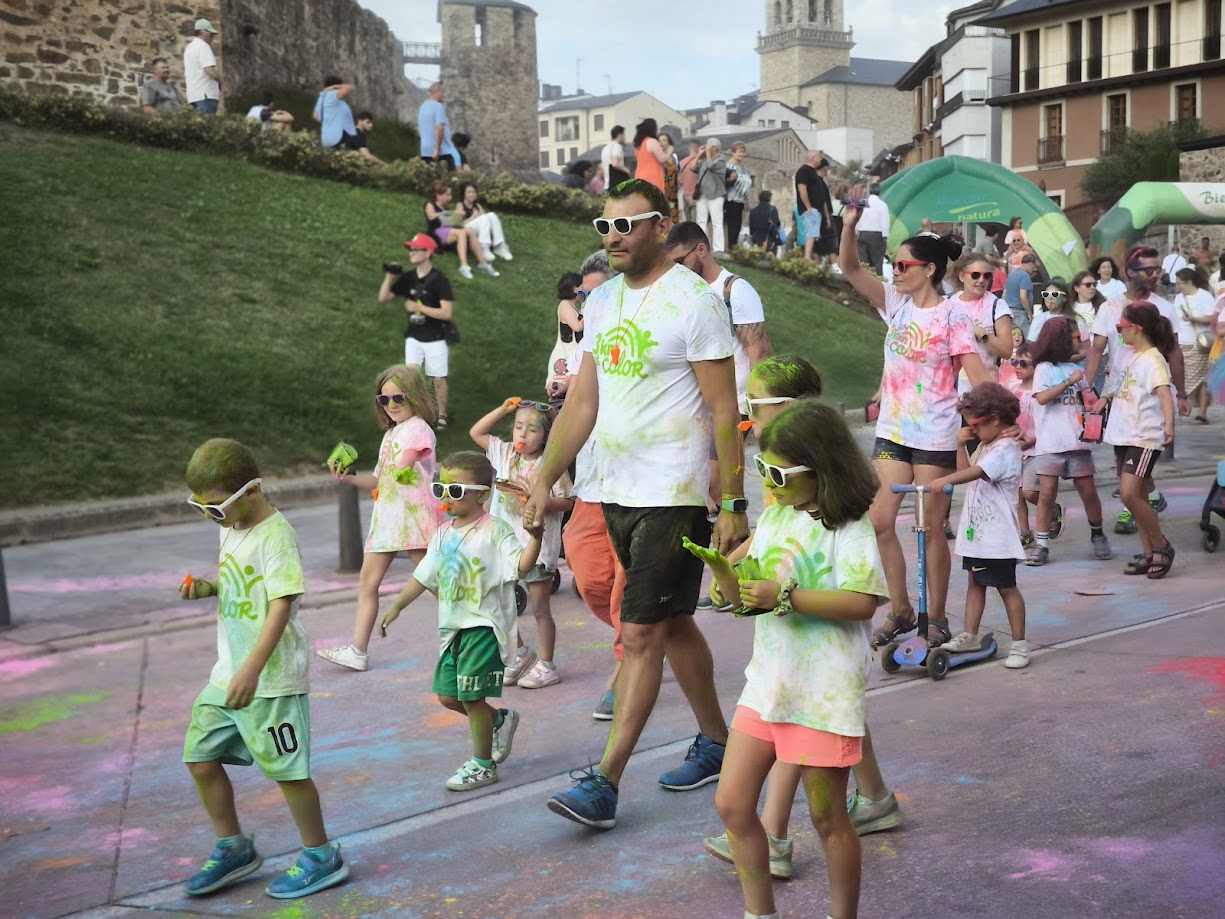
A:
472,563
254,708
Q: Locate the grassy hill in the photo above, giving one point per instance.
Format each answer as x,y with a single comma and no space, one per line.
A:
150,300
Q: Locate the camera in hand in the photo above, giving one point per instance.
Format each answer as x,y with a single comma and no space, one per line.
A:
857,198
393,268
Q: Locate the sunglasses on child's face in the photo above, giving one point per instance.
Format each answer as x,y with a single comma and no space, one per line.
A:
1020,362
398,398
777,475
218,511
454,491
768,400
623,225
1053,295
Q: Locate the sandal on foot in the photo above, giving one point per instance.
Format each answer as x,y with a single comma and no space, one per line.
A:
441,423
1163,561
1139,564
1201,419
938,632
894,625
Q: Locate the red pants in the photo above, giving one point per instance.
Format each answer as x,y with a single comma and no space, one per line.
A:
597,572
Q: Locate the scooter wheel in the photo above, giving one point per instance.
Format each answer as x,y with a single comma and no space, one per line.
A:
520,599
1212,538
937,664
556,582
887,662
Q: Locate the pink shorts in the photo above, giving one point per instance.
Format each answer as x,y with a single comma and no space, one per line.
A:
794,743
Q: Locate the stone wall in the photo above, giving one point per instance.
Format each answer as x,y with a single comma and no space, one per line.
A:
886,111
492,86
1202,166
105,48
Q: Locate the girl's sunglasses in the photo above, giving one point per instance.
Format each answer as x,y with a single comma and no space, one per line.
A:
1053,295
398,398
978,275
777,475
1124,325
623,225
217,511
454,491
769,400
902,265
1020,362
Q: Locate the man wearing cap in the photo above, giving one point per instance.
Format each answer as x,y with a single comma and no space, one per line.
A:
200,70
711,169
427,299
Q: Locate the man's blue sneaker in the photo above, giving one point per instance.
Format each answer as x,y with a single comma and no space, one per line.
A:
226,865
308,876
592,801
702,765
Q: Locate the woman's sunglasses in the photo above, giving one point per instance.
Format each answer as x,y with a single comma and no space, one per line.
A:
1053,295
1124,325
777,475
217,511
901,266
398,398
768,400
977,275
1089,284
454,491
1020,362
623,225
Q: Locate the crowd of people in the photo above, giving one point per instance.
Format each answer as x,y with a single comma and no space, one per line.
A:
631,465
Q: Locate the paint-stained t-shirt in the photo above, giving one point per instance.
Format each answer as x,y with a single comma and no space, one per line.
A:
473,569
918,405
1057,424
807,670
653,428
256,566
511,466
1136,416
988,525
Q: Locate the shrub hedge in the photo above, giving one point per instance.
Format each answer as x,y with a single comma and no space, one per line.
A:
298,152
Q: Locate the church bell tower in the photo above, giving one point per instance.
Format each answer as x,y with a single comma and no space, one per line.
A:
803,39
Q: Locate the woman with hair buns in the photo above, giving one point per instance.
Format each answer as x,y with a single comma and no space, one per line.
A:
930,339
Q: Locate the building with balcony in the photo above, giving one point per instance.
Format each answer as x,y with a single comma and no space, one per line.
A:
572,125
949,85
1083,73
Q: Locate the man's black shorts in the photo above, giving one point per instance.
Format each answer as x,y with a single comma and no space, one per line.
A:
662,578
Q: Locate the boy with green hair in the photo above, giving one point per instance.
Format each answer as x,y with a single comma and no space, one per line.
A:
254,708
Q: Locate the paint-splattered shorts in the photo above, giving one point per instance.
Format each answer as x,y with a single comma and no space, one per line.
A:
471,666
794,743
662,578
274,734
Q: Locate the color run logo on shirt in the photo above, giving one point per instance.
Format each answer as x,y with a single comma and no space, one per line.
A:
982,514
910,341
623,351
460,581
234,584
809,570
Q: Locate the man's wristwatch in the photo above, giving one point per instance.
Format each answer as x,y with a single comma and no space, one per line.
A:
784,606
735,505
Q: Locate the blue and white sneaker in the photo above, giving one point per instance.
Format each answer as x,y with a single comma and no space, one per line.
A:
308,876
702,765
226,865
592,801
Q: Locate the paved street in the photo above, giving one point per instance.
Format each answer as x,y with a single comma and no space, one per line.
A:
1087,785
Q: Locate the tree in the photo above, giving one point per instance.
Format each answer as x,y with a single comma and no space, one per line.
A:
1147,156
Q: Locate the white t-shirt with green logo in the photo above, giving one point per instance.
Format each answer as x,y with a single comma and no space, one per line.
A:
806,670
508,506
256,566
473,569
653,429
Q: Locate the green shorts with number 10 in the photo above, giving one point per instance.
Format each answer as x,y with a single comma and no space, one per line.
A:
274,734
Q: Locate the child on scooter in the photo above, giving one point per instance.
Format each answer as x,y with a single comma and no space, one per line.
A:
987,537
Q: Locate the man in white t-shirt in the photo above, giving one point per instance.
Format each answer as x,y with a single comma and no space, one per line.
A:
200,72
612,159
1170,266
657,373
873,231
1142,270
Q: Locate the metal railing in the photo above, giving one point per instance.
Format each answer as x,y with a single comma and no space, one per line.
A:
1050,149
421,52
1112,139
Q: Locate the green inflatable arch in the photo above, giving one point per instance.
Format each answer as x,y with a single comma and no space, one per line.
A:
960,189
1147,203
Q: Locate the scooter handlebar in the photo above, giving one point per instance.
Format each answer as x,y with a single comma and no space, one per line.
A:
920,489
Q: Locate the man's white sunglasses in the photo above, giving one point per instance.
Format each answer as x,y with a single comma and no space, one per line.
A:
623,225
217,511
777,475
454,491
768,400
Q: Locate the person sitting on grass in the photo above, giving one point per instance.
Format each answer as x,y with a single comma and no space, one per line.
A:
447,228
254,708
472,564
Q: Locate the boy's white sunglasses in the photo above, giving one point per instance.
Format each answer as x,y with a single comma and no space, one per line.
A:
777,475
623,225
217,511
454,491
768,400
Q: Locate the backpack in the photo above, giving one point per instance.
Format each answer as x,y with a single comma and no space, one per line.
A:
727,298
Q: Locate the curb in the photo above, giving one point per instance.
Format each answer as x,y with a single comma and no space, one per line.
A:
35,525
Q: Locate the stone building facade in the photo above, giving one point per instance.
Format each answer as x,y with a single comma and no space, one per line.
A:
1205,162
105,48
